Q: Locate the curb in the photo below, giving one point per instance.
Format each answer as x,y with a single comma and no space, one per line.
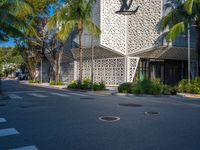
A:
59,88
189,96
43,86
142,95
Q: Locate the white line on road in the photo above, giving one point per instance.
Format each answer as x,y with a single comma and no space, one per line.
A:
9,131
59,94
2,120
77,94
24,92
37,95
14,96
26,148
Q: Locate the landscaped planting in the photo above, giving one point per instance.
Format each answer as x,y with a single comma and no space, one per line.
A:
193,87
34,81
59,83
152,87
86,85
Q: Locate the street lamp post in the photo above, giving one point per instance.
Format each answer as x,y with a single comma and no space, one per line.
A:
92,62
189,60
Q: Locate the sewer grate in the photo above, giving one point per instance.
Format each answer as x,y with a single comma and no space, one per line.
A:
87,98
151,113
131,105
109,118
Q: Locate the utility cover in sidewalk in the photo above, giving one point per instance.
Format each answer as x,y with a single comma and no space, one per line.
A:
131,105
109,118
152,113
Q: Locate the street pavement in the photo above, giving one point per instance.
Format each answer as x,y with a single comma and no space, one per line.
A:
36,118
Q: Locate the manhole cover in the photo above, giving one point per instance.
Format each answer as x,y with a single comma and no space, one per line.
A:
88,98
109,118
131,105
151,113
1,105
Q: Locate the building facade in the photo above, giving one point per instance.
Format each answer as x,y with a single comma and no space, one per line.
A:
131,46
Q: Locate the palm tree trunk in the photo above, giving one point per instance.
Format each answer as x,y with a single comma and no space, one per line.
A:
80,55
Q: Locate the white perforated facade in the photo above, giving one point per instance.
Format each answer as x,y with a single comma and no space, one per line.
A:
123,37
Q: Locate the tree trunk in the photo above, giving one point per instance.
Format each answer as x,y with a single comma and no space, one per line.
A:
80,55
60,54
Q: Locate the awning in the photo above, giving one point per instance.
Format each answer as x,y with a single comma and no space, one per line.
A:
176,53
99,53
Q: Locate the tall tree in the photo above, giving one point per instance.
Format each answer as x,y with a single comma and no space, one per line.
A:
10,24
31,45
54,53
182,15
75,15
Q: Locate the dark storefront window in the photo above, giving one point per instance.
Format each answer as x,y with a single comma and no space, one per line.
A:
168,71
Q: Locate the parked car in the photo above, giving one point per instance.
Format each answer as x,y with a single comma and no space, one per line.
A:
23,76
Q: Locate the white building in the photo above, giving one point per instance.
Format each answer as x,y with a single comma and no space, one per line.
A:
131,46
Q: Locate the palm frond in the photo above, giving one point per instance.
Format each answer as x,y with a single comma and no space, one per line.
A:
66,29
188,5
175,31
91,27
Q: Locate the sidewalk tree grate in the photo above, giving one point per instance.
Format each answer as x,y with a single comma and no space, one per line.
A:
151,113
109,118
131,105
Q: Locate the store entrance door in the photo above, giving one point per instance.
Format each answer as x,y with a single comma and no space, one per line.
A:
172,72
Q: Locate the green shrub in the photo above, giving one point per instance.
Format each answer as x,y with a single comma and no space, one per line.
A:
169,90
125,88
34,81
73,84
182,86
102,85
99,86
193,87
96,86
86,85
154,87
59,83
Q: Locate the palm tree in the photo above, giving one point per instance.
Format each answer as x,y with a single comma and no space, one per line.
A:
10,23
75,15
181,16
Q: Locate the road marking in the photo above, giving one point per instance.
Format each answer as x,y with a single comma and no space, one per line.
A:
26,148
24,92
37,95
9,131
14,96
2,120
77,94
59,94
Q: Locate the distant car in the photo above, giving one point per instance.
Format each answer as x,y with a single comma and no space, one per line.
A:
22,76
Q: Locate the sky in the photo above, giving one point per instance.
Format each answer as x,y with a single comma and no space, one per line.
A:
10,43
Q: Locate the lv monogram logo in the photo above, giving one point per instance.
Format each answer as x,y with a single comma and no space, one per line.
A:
125,7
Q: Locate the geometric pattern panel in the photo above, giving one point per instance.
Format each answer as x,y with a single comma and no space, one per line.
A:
113,26
67,72
143,26
111,70
132,64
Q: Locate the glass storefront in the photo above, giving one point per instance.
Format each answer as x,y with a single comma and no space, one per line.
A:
168,71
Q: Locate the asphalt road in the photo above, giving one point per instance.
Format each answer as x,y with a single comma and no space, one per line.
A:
44,119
